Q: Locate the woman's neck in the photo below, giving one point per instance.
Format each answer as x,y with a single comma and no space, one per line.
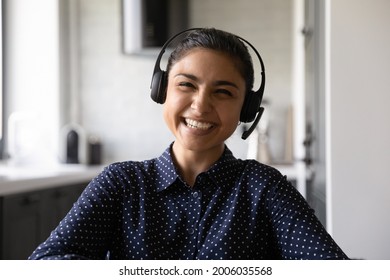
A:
191,163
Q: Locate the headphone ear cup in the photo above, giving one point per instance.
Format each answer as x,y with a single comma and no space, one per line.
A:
250,107
158,87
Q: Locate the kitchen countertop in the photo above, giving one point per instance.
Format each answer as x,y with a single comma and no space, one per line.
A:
18,179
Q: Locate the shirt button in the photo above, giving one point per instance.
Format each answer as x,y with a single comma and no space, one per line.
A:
195,194
191,231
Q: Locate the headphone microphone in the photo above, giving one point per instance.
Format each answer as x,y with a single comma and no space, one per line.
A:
248,132
251,110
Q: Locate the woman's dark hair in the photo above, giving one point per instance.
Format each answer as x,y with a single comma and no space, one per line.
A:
218,40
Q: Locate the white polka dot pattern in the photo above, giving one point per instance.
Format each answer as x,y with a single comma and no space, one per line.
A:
236,210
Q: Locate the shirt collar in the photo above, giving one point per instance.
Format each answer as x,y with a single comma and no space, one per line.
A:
167,172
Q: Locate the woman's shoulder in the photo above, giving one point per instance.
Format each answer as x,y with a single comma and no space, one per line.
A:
130,164
130,169
123,176
254,166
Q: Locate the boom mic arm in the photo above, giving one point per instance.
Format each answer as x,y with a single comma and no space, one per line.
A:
254,124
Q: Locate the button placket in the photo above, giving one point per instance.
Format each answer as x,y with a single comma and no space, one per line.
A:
195,204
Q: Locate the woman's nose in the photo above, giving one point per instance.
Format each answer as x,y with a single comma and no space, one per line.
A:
201,102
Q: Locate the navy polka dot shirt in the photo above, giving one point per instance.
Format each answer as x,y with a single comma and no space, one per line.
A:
238,209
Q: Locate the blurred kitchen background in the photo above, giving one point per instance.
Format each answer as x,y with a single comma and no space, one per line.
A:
81,66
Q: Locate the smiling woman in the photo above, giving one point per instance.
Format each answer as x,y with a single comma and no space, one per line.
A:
195,201
205,94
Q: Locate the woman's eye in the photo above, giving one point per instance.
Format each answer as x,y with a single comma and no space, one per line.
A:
224,91
186,85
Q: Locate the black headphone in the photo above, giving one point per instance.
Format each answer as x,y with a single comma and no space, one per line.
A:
250,110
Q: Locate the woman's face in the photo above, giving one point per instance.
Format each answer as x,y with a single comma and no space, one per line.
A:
205,94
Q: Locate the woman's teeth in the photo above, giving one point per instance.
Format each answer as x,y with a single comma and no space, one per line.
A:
198,125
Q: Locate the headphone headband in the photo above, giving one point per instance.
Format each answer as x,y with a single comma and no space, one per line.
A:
251,109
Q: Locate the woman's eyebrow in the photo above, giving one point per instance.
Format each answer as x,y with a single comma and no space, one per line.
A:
189,76
226,83
217,83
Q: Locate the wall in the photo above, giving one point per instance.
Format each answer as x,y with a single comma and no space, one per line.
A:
359,131
113,88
